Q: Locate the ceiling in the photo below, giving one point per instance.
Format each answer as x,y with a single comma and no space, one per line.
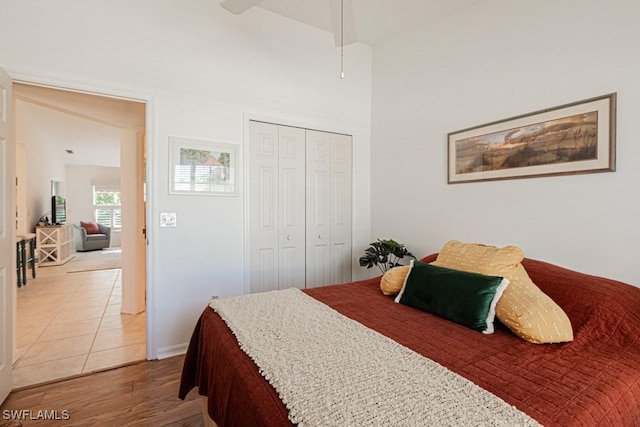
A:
376,20
92,143
86,124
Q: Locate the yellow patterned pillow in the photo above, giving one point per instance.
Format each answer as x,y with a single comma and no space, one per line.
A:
523,308
393,280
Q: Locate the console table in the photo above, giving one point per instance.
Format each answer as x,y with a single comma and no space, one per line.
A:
54,244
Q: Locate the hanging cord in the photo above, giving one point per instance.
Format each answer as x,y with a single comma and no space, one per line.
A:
342,39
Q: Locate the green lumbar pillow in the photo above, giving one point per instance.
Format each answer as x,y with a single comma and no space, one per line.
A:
466,298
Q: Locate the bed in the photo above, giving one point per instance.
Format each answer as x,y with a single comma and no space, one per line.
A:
593,380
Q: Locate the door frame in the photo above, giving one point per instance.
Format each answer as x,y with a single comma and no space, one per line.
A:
8,286
130,94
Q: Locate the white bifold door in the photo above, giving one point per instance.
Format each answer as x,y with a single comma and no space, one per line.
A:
299,207
276,207
328,171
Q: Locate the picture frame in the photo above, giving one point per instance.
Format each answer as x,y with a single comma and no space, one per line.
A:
199,167
574,138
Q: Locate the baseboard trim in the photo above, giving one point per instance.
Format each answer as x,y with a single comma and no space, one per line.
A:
173,350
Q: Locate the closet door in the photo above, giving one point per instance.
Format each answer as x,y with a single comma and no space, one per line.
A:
263,206
277,207
341,201
318,208
291,203
329,194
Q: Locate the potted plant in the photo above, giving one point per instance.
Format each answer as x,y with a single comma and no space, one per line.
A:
384,254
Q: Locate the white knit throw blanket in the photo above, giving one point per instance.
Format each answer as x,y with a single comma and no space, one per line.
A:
330,370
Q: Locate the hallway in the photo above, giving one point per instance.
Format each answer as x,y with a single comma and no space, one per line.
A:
69,323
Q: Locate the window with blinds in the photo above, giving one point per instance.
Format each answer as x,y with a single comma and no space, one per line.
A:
205,178
106,203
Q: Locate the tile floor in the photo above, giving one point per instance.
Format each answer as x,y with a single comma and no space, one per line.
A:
70,324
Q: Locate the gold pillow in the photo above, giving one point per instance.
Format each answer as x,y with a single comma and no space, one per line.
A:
523,308
393,280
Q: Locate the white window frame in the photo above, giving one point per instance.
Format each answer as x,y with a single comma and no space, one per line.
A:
110,208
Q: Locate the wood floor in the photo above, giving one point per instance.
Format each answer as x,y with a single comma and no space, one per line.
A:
144,394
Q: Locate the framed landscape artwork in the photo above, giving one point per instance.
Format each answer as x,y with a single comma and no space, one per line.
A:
568,139
202,167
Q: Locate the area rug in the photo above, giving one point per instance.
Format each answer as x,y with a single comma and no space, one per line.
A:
105,259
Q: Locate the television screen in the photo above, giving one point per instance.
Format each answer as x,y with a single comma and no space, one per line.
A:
58,210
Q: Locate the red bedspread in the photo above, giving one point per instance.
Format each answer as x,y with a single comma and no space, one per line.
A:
594,380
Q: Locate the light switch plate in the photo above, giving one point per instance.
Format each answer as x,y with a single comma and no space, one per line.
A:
168,219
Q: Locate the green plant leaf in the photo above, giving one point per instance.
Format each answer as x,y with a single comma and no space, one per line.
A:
385,254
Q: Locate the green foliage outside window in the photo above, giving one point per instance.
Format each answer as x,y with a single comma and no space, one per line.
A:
190,156
108,211
106,198
224,158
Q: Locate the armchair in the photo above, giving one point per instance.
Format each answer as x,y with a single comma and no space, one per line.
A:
91,242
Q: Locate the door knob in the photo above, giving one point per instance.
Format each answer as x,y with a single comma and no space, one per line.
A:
289,237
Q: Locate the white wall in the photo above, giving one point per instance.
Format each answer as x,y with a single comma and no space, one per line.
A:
79,192
500,59
43,164
206,68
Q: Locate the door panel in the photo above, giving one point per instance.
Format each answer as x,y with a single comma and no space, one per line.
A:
291,164
318,269
266,273
319,196
266,202
263,228
318,208
341,210
7,235
277,207
289,276
341,268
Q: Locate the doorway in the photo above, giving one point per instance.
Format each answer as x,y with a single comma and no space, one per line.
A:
87,314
